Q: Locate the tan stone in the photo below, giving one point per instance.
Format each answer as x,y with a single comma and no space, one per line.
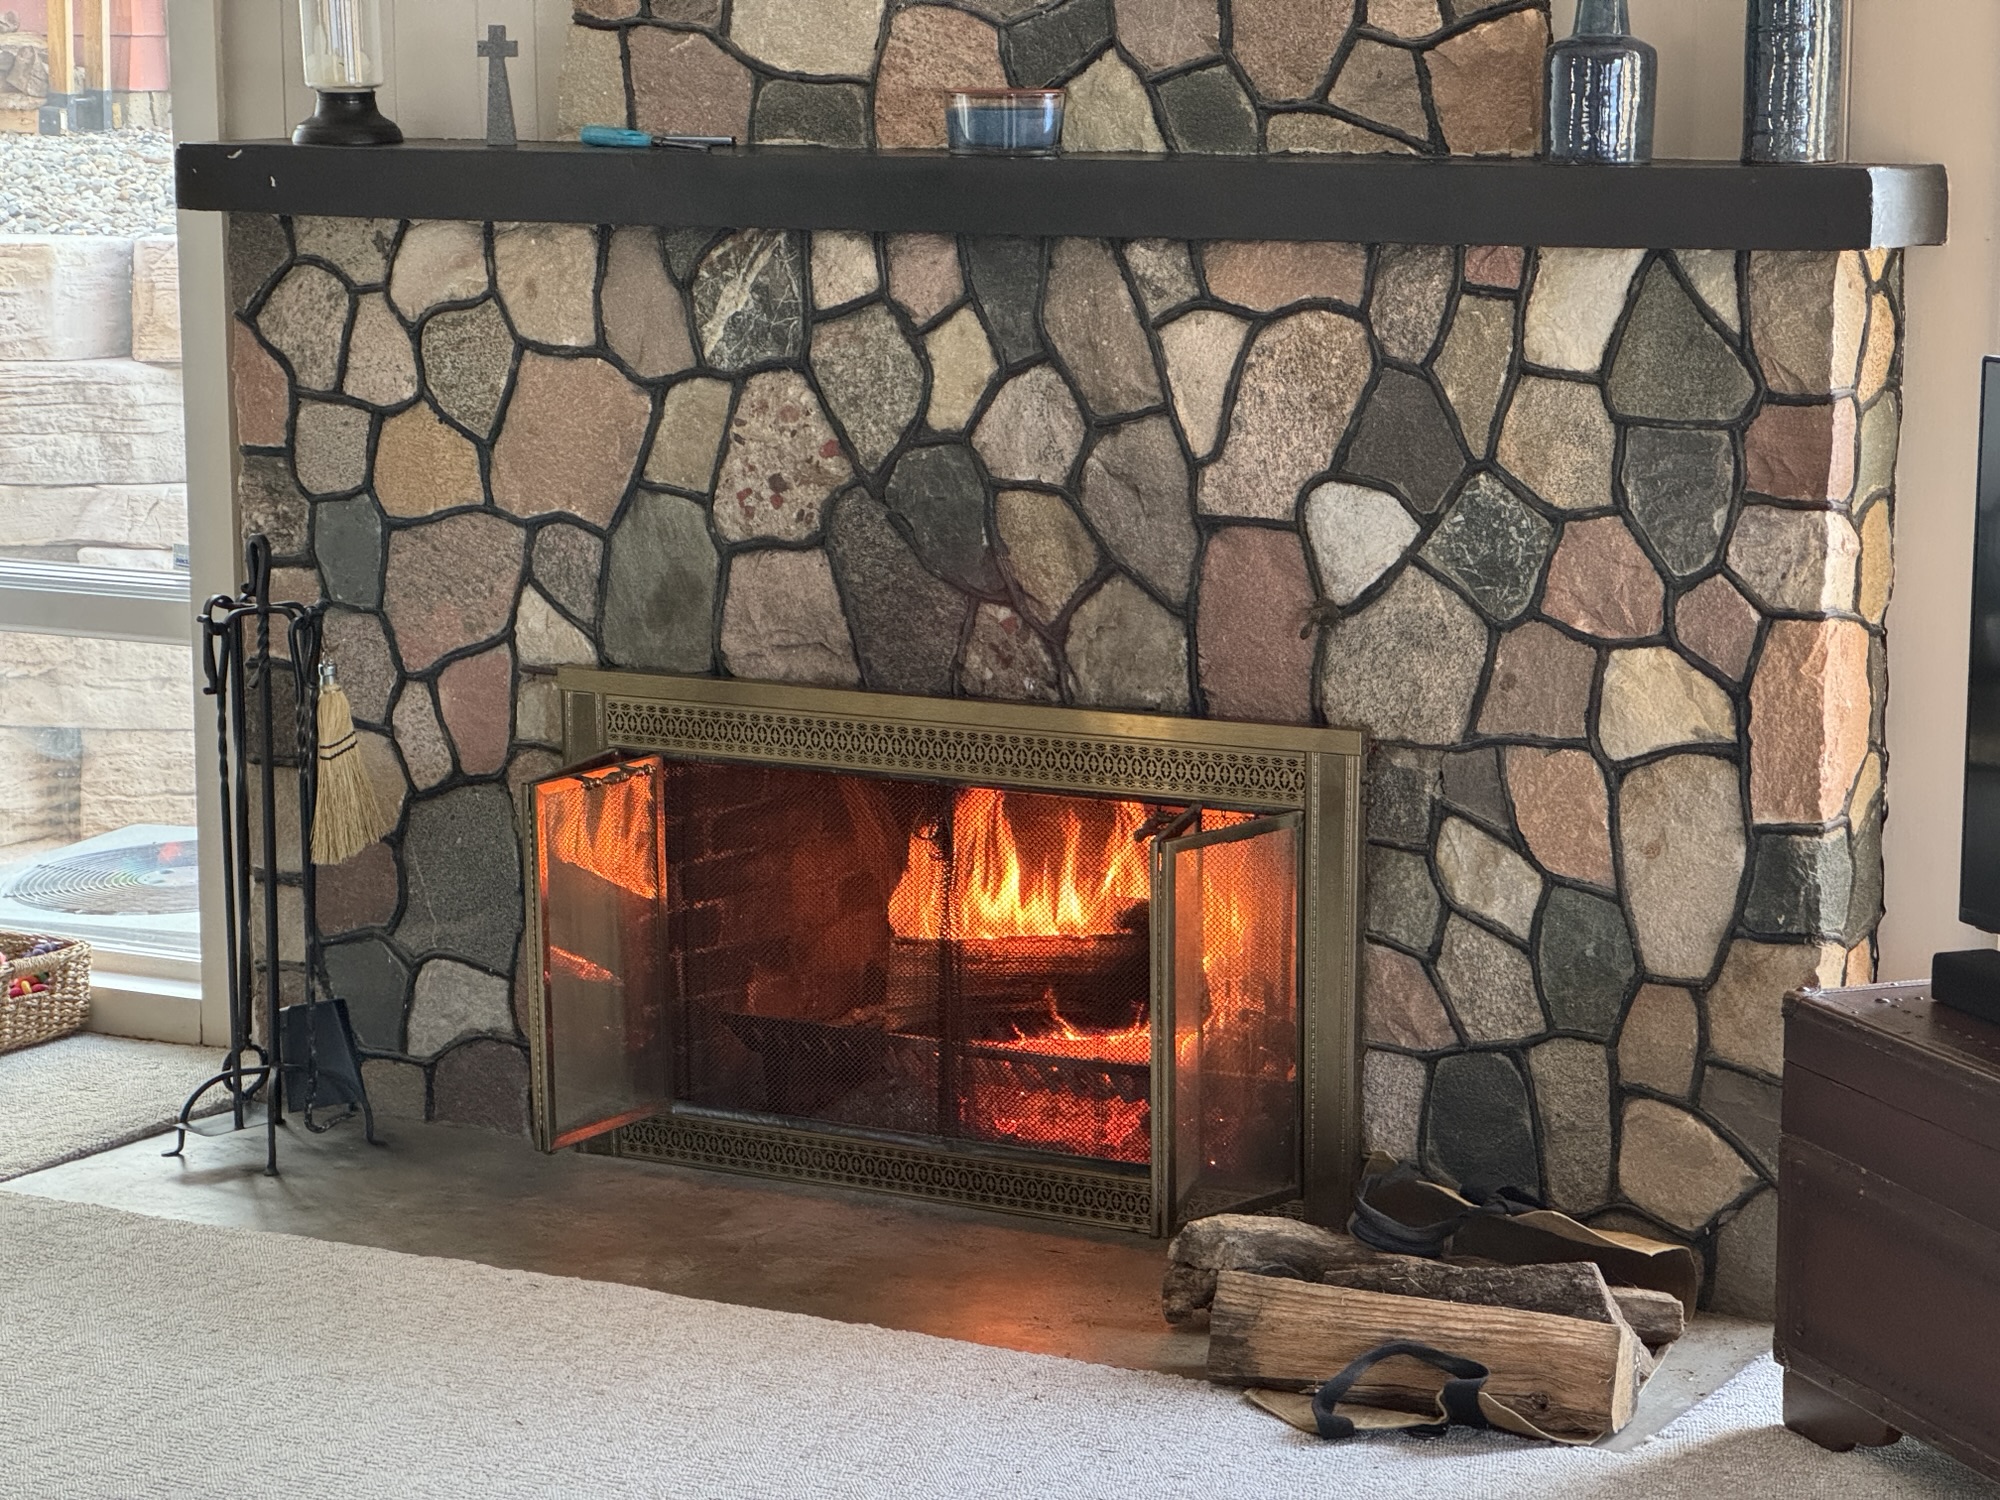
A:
423,464
684,84
543,638
1379,83
1482,875
1558,440
1399,1004
1575,304
1867,786
827,38
1563,811
260,389
137,776
1712,273
782,465
843,267
357,248
1487,85
1163,271
1745,1284
150,516
80,682
1265,275
1032,431
1285,47
692,420
1810,705
591,90
782,621
1095,328
381,364
1540,685
645,317
1796,561
438,261
1746,1017
1603,584
1719,625
930,49
1573,1097
962,369
1409,19
66,297
156,300
1682,842
1109,110
547,275
305,319
1166,33
1672,1165
1125,651
330,448
1860,965
1801,452
1661,1040
1051,554
1878,355
1201,349
1473,366
1303,133
1653,698
571,439
923,274
1808,310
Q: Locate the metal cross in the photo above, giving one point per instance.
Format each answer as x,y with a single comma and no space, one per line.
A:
496,49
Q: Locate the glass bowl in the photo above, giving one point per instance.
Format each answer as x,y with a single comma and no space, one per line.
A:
1004,122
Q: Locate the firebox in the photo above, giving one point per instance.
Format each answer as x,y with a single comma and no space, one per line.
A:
1085,965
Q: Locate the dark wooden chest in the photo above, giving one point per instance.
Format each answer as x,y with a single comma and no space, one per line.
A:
1889,1222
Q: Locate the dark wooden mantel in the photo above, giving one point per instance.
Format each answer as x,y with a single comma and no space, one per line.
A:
1368,199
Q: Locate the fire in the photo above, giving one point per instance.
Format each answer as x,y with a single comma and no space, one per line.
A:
604,822
1078,888
575,966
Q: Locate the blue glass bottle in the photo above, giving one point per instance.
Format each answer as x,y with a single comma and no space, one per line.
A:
1601,86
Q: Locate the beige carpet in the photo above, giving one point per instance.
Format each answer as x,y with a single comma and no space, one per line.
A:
144,1357
85,1094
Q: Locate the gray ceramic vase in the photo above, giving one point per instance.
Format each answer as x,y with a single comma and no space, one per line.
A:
1602,81
1794,61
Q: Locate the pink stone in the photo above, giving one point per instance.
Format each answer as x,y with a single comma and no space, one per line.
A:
1810,705
571,441
262,392
1495,265
1540,685
1487,85
1269,274
1801,452
1256,653
1603,584
476,696
923,274
930,50
451,584
1564,811
683,84
1719,625
1287,46
1399,1004
362,892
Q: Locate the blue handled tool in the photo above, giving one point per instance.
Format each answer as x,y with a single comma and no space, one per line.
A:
613,135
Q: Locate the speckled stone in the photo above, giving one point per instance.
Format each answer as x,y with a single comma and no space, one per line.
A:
832,37
783,463
483,1084
547,275
1802,452
1050,45
1712,274
693,418
1108,109
1265,275
1206,111
749,299
1564,812
1877,562
962,370
1559,441
1308,131
1032,431
463,869
361,892
1201,350
1403,784
1125,651
930,49
1400,1006
347,545
439,261
1357,535
1484,876
1049,552
1746,1260
1672,366
684,84
423,464
468,356
355,643
1679,485
1490,983
1584,955
451,584
844,268
545,639
1660,1041
1256,657
1576,302
1094,327
873,381
645,318
1007,660
1673,1165
937,495
373,980
257,247
1408,665
1796,561
1682,849
782,621
1573,1095
1473,366
659,587
1808,309
259,389
1163,271
1494,546
567,563
1163,34
1403,901
1602,583
1006,274
1746,1023
1479,1127
269,500
381,366
1392,1103
451,1001
1719,625
1379,83
571,440
1286,47
1410,19
1800,885
1135,489
906,620
591,86
924,277
1500,266
1413,286
476,700
420,736
1540,685
1296,394
330,448
1810,704
357,248
1486,83
305,320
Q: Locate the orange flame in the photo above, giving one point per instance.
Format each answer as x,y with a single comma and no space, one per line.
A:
604,823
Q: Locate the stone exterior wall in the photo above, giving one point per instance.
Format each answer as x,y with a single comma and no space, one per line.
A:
1595,543
1230,76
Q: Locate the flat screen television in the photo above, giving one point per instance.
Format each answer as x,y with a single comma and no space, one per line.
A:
1979,862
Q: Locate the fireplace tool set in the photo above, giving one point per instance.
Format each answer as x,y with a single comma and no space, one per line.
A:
278,707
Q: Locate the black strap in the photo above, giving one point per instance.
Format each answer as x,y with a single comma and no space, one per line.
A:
1382,1231
1459,1399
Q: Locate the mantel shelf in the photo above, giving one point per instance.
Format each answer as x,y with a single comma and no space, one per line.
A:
1366,199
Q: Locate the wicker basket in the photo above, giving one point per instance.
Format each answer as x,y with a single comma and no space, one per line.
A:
57,1011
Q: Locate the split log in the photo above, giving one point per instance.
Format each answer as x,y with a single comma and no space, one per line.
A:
1657,1317
1571,1377
1561,1291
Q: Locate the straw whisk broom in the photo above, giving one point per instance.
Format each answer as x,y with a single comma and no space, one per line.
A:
347,818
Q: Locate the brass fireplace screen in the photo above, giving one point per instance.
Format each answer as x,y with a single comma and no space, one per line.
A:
1084,965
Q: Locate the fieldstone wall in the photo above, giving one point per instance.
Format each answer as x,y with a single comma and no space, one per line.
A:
1230,76
1595,543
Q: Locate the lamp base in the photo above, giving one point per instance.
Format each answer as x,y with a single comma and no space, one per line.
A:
347,119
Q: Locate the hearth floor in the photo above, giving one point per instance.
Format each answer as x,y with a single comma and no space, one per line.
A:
439,1190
